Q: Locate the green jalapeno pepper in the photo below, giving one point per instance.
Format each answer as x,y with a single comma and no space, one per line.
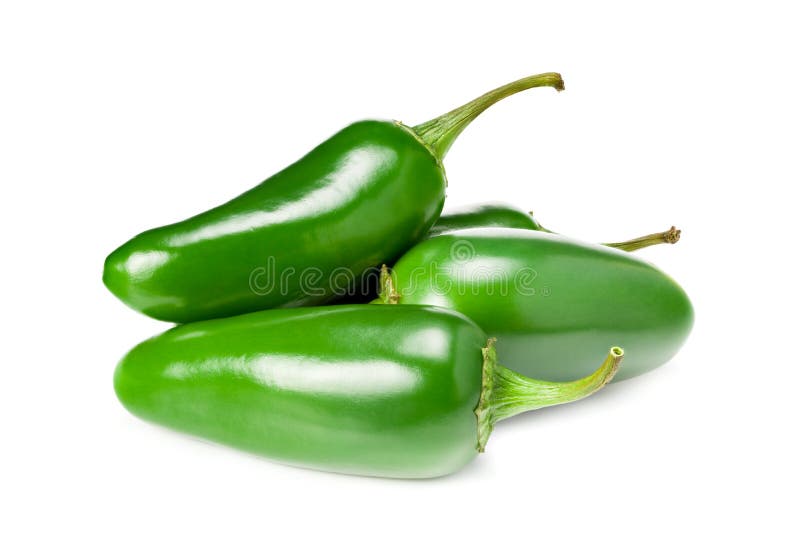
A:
401,391
505,216
546,298
360,198
484,216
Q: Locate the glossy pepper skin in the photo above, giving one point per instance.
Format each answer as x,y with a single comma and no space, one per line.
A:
382,391
308,218
301,237
548,299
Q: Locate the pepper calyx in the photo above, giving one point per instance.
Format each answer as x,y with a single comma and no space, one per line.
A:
387,294
505,393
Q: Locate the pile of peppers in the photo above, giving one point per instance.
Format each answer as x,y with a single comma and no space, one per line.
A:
333,318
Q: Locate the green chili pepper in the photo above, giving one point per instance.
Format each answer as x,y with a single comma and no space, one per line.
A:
484,216
504,216
547,298
401,391
360,198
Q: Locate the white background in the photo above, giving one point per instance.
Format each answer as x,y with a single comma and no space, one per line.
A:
119,116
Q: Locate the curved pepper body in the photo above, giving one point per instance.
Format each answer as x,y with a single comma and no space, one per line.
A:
385,391
360,198
305,235
552,302
484,216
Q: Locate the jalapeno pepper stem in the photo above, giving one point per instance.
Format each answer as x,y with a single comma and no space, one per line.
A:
671,236
387,293
506,393
439,133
